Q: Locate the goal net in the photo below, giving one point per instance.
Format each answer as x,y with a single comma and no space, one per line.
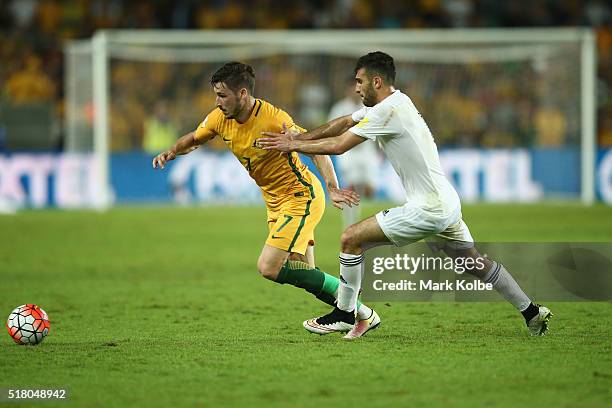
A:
512,111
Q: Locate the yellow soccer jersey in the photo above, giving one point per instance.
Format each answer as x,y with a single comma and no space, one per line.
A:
280,177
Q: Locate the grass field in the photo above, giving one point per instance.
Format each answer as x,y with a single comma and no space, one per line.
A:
164,307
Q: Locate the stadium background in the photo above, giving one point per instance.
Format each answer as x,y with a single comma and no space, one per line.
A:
491,114
163,306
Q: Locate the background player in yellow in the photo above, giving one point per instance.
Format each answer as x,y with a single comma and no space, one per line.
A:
294,197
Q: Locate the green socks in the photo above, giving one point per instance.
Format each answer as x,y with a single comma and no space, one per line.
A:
313,280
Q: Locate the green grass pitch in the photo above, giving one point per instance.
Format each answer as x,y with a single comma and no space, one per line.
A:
164,307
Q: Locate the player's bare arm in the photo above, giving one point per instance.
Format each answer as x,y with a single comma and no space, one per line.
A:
336,194
286,142
333,128
183,145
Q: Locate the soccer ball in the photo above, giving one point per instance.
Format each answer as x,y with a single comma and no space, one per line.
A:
28,324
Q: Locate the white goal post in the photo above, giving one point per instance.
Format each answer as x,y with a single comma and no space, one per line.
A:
430,46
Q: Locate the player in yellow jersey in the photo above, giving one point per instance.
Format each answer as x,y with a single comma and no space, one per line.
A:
294,197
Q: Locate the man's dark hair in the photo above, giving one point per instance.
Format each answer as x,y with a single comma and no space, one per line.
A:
378,63
236,76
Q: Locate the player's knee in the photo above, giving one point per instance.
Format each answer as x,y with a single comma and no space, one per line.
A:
349,241
267,270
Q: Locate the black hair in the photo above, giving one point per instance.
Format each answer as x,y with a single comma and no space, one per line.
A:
378,63
236,76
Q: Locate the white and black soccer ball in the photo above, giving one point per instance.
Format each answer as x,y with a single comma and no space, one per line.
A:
28,324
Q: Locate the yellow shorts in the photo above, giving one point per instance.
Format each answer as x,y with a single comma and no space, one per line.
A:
292,226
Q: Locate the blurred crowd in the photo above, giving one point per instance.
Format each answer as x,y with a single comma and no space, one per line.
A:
33,33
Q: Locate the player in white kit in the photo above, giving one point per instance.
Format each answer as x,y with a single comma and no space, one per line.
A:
432,210
358,166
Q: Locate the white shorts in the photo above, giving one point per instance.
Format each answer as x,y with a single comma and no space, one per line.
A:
408,223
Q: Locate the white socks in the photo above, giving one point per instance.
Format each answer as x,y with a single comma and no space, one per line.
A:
350,285
363,312
350,281
506,286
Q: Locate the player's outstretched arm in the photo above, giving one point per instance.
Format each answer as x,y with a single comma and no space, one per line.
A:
183,145
332,128
337,195
287,142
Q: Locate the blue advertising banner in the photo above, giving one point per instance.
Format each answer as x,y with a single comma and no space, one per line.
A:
72,181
